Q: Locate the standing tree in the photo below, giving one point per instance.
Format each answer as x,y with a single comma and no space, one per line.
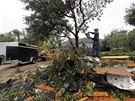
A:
7,37
117,39
44,19
131,40
130,16
104,46
81,12
130,19
17,34
64,16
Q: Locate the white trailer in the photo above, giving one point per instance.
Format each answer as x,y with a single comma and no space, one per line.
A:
3,46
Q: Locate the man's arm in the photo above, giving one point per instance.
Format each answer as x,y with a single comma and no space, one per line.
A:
92,32
88,35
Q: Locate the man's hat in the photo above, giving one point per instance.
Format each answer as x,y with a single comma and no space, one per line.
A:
96,29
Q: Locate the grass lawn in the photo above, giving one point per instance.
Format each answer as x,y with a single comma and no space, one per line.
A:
117,53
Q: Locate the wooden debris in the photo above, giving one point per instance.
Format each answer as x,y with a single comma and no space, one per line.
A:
102,99
50,62
129,99
114,71
57,96
107,98
115,57
130,62
83,99
82,72
30,99
25,77
47,88
119,61
131,65
100,94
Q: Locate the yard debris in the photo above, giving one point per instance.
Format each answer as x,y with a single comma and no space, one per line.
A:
131,65
121,82
131,70
129,99
76,78
118,77
47,88
83,99
114,71
98,98
116,57
100,94
43,66
30,98
102,99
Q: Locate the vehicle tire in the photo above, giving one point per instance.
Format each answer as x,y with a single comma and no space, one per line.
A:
39,59
19,64
44,59
0,61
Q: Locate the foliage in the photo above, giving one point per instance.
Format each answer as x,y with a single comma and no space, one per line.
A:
118,40
28,38
117,53
131,40
104,46
56,17
14,35
46,46
115,92
7,37
130,15
63,75
55,41
67,72
11,94
44,19
17,34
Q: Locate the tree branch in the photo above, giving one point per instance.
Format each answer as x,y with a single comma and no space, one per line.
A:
66,14
82,24
68,29
70,42
80,3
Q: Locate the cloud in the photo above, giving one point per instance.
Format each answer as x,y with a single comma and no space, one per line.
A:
11,15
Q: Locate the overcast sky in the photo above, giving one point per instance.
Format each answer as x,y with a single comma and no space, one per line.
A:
12,13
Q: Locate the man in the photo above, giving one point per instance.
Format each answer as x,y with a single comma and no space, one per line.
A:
95,49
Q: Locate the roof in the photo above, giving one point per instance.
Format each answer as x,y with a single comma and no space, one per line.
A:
84,40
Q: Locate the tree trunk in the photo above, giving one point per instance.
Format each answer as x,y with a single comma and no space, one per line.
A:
77,41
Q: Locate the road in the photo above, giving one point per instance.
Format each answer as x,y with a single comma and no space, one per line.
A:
10,72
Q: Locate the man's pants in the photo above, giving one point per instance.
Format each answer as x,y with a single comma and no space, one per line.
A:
95,50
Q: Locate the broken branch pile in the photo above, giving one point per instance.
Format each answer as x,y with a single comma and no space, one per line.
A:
71,77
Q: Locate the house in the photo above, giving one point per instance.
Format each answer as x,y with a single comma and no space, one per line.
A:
83,42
